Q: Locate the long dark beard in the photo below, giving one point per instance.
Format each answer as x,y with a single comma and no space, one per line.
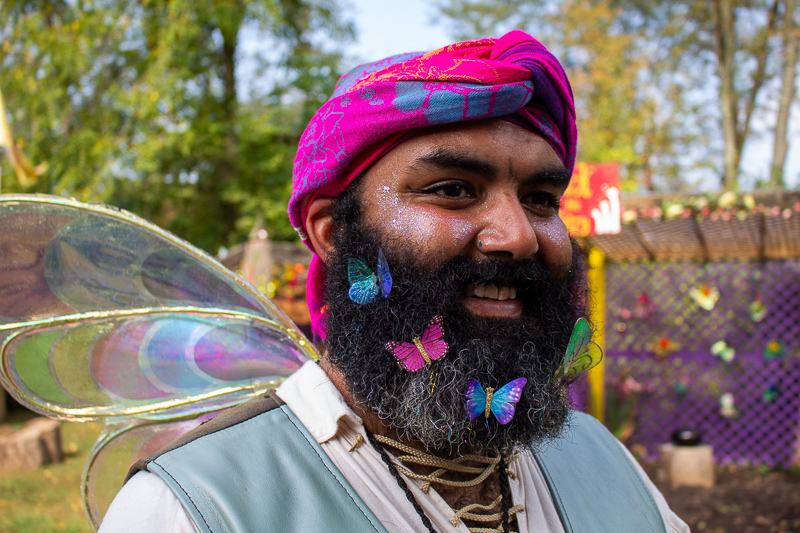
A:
429,405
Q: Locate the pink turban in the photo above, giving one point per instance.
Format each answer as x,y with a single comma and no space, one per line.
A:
514,77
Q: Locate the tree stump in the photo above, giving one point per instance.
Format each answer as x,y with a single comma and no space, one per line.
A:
687,466
37,443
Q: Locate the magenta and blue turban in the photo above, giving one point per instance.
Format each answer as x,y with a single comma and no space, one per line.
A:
376,105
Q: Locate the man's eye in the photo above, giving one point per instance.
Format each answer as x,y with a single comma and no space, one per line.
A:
543,200
451,190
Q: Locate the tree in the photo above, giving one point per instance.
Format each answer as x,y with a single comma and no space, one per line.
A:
790,45
732,47
702,60
144,104
623,116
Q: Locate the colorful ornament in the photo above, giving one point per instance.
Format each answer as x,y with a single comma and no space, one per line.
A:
421,351
727,406
645,308
663,347
582,353
705,296
723,351
364,284
500,402
770,394
757,310
774,350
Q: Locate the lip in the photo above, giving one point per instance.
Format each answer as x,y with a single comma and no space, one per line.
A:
493,308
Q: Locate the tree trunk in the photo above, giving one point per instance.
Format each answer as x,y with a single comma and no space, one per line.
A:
722,17
761,53
781,146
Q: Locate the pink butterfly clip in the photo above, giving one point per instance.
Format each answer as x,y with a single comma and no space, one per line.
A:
421,351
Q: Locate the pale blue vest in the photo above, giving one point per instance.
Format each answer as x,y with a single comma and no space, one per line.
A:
258,469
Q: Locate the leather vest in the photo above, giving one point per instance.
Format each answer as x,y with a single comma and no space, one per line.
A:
256,468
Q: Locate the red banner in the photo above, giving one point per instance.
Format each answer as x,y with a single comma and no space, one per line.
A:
591,204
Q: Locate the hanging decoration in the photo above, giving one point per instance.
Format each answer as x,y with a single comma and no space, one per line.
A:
645,308
770,394
727,406
705,296
663,347
774,350
757,309
722,350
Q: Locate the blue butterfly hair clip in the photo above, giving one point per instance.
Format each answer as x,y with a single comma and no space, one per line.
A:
501,402
364,284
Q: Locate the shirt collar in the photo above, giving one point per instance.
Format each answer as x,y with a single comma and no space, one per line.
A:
316,401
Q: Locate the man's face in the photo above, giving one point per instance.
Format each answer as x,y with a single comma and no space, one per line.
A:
483,189
468,220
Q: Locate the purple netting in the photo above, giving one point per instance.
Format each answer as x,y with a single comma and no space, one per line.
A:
652,391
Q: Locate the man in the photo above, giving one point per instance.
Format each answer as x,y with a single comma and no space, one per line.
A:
446,288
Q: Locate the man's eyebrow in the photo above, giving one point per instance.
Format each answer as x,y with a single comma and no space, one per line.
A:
556,175
446,158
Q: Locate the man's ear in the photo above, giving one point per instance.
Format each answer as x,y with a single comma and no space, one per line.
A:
319,226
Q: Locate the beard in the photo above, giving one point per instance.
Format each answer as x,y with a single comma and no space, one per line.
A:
428,405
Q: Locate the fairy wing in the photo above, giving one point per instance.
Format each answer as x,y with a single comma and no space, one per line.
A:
433,339
119,446
363,286
160,363
582,353
384,276
74,280
476,399
505,398
407,354
105,316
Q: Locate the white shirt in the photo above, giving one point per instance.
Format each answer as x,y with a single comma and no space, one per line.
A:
145,503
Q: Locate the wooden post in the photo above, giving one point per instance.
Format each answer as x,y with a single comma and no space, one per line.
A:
597,314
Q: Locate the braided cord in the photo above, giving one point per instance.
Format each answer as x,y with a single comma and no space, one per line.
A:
400,481
504,494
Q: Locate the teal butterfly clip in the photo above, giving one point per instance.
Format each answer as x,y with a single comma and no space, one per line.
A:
582,354
364,284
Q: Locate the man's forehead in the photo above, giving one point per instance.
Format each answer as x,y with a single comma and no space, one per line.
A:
483,148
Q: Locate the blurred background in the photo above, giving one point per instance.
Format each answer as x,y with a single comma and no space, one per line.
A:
189,114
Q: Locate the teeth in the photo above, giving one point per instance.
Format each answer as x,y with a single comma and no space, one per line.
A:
492,292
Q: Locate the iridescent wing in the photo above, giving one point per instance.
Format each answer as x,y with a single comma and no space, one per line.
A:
582,354
105,316
504,400
476,399
384,276
363,283
119,446
146,364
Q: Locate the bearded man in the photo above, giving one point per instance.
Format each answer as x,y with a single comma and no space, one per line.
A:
446,288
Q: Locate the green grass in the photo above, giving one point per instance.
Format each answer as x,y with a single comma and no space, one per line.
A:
48,499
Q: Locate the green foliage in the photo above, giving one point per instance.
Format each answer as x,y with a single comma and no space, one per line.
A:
644,74
186,112
48,499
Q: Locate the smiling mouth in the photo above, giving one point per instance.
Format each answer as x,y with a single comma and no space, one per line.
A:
492,292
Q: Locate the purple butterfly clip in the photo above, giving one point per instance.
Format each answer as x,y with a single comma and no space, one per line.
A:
415,355
500,402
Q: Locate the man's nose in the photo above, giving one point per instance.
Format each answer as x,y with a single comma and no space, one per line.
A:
507,229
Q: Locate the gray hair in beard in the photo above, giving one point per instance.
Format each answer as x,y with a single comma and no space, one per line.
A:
428,406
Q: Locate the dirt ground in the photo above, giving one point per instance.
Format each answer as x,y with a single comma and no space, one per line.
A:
743,500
